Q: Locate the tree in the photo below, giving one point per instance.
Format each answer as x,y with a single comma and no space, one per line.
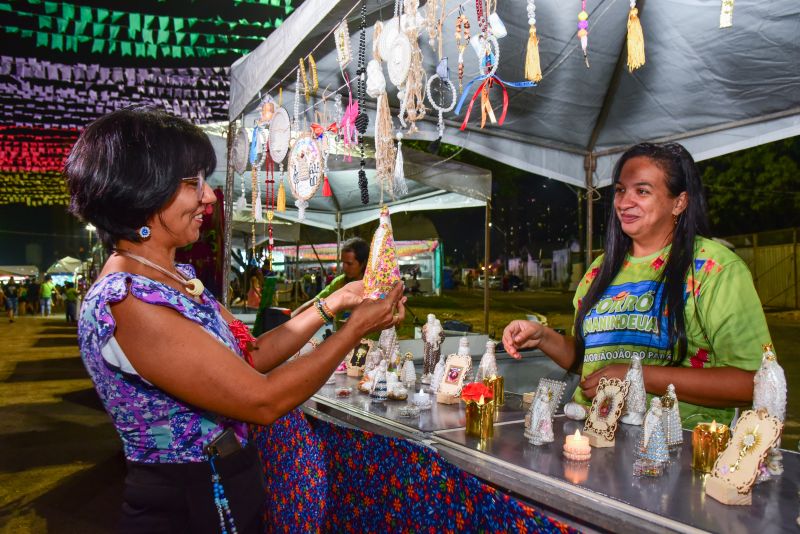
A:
754,190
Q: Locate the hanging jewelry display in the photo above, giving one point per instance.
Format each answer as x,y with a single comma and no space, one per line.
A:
635,39
305,171
279,135
399,60
488,77
270,201
376,88
388,33
342,38
400,187
412,94
258,154
583,31
312,68
434,21
533,68
443,75
296,111
361,121
239,158
325,136
462,39
303,76
726,14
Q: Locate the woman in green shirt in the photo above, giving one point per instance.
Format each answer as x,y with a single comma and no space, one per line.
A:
686,304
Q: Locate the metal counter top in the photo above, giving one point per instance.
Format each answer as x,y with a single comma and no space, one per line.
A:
601,493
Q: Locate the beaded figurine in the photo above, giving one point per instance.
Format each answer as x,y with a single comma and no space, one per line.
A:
379,391
408,375
382,270
769,392
438,373
651,452
488,365
432,337
672,418
636,401
541,417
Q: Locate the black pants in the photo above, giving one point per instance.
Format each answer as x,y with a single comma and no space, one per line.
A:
178,498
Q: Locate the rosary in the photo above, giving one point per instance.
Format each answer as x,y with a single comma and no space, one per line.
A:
361,119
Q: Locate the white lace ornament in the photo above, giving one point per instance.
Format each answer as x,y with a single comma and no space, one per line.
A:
376,82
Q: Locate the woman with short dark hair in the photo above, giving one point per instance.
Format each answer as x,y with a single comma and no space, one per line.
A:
179,376
684,303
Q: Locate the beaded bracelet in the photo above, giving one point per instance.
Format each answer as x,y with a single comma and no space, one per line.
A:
327,319
327,309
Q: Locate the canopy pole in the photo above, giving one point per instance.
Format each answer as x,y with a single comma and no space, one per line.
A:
338,242
486,238
227,217
589,163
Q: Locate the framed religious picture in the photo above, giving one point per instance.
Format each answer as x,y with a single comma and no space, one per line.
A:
357,358
601,425
736,469
456,367
305,171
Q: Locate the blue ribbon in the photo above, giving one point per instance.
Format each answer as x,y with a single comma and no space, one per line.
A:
482,77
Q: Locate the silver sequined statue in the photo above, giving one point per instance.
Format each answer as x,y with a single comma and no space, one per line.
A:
636,400
671,416
769,393
432,338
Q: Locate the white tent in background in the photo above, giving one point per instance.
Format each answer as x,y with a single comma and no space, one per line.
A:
19,270
67,264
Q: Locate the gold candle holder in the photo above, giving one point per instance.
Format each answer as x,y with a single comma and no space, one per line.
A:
480,419
496,383
708,442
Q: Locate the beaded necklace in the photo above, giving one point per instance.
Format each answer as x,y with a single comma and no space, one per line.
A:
361,119
193,286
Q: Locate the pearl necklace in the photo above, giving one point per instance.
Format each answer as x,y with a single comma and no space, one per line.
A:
194,286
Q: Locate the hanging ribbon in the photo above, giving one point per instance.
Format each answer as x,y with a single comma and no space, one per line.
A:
319,130
483,91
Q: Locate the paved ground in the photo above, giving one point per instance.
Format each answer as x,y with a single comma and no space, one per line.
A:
61,468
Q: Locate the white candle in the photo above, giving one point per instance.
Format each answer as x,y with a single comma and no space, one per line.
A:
576,447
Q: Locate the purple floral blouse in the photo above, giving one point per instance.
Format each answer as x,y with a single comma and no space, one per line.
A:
155,427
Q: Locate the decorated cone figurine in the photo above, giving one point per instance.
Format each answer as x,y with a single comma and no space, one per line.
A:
653,443
380,391
382,269
769,392
636,401
432,338
408,376
374,357
671,415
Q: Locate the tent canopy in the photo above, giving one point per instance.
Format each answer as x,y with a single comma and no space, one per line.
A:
714,90
19,270
67,264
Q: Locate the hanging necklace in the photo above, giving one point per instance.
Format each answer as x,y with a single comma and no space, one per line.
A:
194,286
361,119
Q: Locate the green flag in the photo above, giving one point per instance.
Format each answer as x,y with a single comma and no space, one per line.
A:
98,45
50,7
152,51
163,36
163,23
97,29
147,36
102,14
42,39
126,48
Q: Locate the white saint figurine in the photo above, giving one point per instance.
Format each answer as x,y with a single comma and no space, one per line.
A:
636,399
541,427
769,392
374,357
379,386
488,365
653,444
672,417
432,338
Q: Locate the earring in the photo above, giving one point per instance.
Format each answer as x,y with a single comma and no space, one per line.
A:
144,232
675,220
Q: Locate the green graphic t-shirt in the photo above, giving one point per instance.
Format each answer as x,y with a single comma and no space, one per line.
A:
720,296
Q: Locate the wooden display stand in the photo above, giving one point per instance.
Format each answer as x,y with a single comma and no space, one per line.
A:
456,367
601,425
735,471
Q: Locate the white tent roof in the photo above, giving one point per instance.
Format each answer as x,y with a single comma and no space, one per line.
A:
19,270
67,264
714,90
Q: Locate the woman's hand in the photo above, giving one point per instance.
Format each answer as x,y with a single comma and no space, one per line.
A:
521,334
347,297
375,315
615,370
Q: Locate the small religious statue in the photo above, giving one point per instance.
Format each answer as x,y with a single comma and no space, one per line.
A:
432,337
769,393
379,391
438,374
636,400
541,417
408,375
652,445
488,365
374,357
672,418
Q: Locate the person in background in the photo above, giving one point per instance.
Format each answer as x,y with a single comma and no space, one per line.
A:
179,376
684,302
71,302
46,296
33,295
11,293
256,279
355,252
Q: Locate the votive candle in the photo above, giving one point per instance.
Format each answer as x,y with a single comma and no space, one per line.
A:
708,442
576,447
